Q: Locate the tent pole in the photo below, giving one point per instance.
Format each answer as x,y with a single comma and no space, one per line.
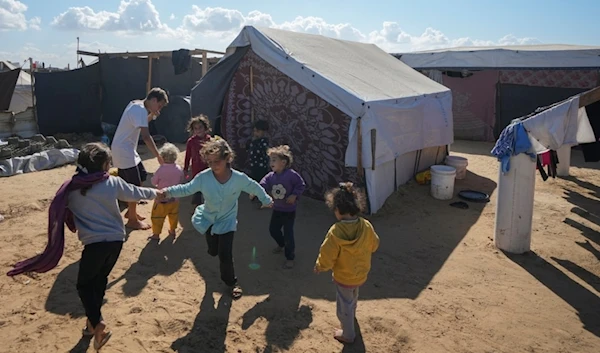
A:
251,94
35,117
204,63
149,82
373,147
359,166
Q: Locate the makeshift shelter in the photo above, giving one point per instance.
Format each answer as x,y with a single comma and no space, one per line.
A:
341,106
78,101
21,95
493,85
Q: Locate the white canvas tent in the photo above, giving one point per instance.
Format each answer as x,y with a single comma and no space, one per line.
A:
22,95
405,111
556,56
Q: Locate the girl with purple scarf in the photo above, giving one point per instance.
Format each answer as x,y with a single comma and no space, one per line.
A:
88,204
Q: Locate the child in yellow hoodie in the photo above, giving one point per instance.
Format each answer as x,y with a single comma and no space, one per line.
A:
347,251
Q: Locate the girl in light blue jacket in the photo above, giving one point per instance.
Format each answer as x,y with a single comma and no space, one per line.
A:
221,186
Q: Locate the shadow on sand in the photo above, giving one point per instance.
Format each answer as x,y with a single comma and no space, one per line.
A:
403,267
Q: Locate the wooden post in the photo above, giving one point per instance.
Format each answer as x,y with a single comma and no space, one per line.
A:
204,63
373,147
31,79
251,95
149,82
589,97
359,141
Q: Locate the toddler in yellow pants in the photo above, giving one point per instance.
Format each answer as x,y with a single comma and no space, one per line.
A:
166,175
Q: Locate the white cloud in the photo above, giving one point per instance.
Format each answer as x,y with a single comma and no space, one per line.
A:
218,26
134,16
34,23
215,21
225,23
392,38
12,16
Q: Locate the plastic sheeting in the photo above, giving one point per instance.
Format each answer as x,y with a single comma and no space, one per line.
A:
69,101
38,161
173,120
474,105
208,95
384,180
517,101
8,80
124,80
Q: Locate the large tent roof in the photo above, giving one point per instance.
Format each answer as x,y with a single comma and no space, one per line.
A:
362,69
345,73
546,56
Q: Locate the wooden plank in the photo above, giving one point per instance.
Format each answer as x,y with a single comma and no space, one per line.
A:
359,143
251,95
149,82
373,147
148,53
589,97
204,63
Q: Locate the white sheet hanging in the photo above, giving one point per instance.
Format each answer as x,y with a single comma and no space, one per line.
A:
563,124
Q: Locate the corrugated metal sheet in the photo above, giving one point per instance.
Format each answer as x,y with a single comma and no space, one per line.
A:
21,124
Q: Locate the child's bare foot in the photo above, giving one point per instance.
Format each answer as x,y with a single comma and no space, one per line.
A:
140,218
154,237
101,336
137,225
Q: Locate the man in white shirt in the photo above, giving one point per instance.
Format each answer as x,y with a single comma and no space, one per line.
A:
134,122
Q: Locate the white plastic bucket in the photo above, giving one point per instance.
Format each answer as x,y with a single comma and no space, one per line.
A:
460,163
442,181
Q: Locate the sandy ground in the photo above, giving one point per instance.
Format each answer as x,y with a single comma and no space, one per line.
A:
438,284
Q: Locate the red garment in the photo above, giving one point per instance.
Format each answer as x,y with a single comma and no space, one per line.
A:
192,153
545,158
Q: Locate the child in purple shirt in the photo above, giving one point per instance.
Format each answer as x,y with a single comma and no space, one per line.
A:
285,185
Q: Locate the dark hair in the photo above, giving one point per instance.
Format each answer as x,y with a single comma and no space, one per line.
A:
200,119
347,199
261,125
159,94
92,159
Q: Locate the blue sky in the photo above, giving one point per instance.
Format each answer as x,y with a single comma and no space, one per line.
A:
47,30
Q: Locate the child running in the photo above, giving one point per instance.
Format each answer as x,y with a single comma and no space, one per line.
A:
285,185
88,204
199,128
166,175
221,186
346,251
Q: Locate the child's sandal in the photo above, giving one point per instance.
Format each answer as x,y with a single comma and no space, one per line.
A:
236,292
